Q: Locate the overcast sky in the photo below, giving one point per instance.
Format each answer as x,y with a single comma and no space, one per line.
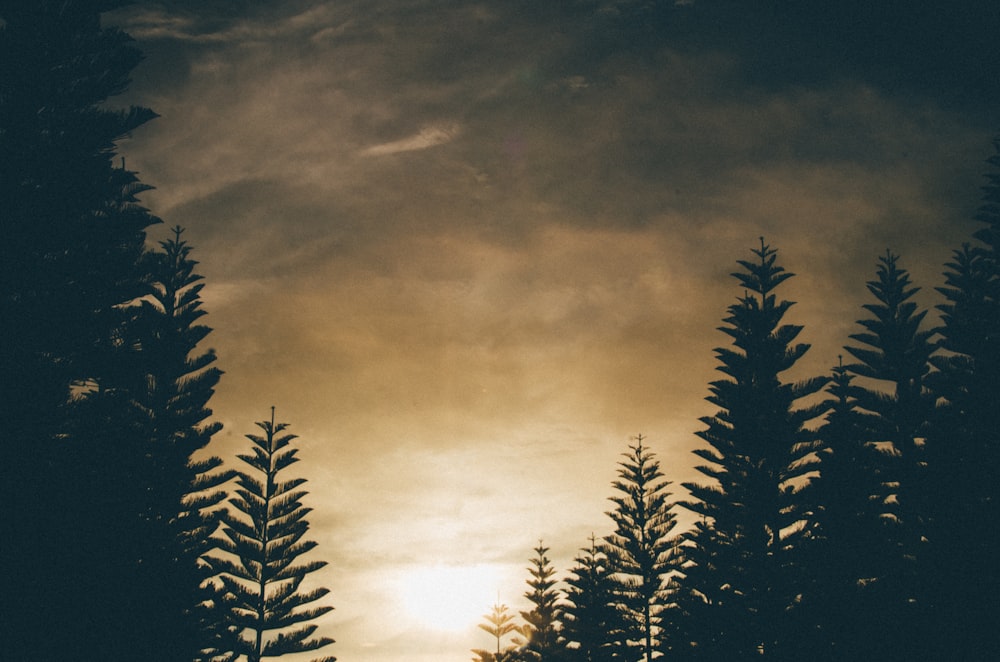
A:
469,249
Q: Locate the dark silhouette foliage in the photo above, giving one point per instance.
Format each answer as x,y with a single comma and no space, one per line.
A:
849,549
893,357
260,575
177,381
71,263
541,624
641,550
741,577
153,405
959,569
73,233
594,624
895,354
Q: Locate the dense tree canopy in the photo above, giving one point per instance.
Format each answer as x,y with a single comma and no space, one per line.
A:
71,263
962,490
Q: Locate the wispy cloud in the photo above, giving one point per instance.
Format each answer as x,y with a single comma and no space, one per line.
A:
430,136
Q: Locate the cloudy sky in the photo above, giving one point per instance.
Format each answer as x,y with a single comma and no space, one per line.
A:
470,249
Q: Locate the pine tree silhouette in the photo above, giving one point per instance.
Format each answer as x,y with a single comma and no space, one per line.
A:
742,578
499,623
177,381
893,355
541,629
850,549
593,621
263,580
963,446
641,551
74,236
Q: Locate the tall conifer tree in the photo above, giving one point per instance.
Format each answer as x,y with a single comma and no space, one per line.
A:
264,541
741,576
70,260
72,233
849,547
963,446
641,548
153,406
894,358
541,630
177,381
593,622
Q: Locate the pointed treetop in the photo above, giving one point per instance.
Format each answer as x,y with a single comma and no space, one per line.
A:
763,275
892,283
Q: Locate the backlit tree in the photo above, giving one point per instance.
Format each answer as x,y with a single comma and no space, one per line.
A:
641,550
176,381
849,547
541,629
500,622
73,238
963,447
264,540
892,356
594,624
742,579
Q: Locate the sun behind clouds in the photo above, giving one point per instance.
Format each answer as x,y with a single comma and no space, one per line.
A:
448,598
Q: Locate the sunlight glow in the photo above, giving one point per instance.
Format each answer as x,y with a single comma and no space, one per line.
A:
448,598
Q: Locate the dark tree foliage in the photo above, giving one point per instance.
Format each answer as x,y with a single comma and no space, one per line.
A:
848,548
963,447
71,261
593,623
541,629
895,354
154,406
263,542
72,232
742,577
894,358
177,382
641,550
